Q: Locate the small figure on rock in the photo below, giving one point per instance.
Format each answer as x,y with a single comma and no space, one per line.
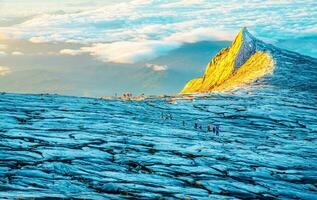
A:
209,129
217,130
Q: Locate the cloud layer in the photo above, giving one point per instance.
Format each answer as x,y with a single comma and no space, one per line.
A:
143,50
156,67
4,71
138,30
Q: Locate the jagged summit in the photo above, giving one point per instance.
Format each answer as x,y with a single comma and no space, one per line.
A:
241,63
247,48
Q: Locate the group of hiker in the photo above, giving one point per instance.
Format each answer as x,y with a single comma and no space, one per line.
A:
166,116
215,129
127,95
210,128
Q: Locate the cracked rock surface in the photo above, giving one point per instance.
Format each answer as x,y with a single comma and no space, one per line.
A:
69,147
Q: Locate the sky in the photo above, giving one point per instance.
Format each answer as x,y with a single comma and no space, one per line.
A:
137,31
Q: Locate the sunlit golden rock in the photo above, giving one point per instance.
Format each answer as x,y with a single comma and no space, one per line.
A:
232,67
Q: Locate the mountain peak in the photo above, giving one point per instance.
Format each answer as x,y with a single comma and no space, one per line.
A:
244,30
244,47
246,34
239,64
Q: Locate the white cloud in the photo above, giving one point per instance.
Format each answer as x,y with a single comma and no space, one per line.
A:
37,40
70,52
142,50
156,67
3,36
125,52
160,19
144,26
199,34
183,3
3,46
129,52
2,53
141,2
17,53
4,71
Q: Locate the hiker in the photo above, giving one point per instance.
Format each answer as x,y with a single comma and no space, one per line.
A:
209,128
217,129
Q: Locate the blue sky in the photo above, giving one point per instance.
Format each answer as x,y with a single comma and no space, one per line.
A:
148,29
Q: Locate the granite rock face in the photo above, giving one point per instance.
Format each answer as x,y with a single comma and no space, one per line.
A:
239,65
68,147
247,49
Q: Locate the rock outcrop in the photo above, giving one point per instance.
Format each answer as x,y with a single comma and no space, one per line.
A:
237,65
